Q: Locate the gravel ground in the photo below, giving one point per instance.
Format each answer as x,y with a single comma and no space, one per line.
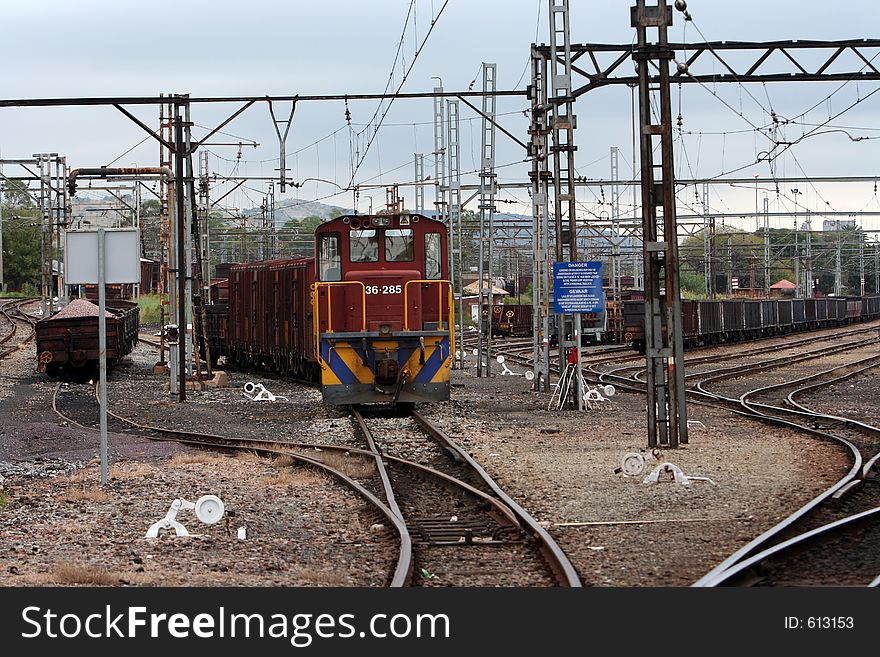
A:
853,398
304,529
561,467
59,527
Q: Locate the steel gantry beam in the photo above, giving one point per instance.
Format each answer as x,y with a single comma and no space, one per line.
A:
708,55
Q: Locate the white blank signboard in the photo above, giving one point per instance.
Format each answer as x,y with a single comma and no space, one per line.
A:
122,256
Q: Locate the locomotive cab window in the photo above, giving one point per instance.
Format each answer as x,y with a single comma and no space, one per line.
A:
433,267
329,258
399,245
363,245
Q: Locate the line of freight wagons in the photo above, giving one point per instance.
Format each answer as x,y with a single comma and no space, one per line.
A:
708,322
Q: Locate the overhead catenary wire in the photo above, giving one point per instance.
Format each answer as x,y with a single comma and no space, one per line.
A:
378,124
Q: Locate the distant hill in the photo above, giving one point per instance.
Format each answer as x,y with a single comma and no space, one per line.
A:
294,208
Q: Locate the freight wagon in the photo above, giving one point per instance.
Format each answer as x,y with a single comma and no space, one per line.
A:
67,342
711,322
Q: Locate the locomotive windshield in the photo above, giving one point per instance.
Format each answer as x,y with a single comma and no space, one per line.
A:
399,245
433,269
329,259
363,245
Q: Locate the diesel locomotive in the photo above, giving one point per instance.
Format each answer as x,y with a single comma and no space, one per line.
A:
368,317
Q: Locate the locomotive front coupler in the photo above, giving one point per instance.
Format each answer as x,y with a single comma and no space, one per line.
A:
403,379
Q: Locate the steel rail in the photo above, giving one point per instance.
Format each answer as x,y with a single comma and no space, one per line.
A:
746,551
727,373
179,99
797,543
563,569
499,510
505,515
13,313
707,396
403,569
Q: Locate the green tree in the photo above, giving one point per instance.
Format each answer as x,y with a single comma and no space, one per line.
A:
151,246
21,237
733,253
298,235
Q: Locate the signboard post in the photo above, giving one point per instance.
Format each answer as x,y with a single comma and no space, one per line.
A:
577,289
98,257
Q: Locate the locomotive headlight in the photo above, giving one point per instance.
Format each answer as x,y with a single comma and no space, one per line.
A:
381,221
384,328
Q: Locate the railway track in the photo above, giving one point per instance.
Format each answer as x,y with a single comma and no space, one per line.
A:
520,352
495,522
634,373
268,448
834,538
465,529
13,313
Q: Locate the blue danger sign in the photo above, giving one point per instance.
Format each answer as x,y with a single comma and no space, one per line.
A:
577,287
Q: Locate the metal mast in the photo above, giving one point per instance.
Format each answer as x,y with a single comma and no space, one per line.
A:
46,231
562,124
455,234
729,262
420,182
168,254
798,292
615,241
861,263
178,246
766,246
809,259
667,411
707,245
440,206
487,213
205,232
837,272
876,266
540,228
439,156
2,280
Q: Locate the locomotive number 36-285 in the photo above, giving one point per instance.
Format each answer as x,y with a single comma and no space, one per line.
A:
384,289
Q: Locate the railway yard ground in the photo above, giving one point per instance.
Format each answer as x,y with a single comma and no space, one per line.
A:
59,527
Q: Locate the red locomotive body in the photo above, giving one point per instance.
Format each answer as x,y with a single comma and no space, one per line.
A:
383,309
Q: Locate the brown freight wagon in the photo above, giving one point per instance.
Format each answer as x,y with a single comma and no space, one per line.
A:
270,316
150,274
516,320
67,342
215,313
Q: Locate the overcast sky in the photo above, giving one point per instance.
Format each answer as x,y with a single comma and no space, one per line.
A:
224,48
